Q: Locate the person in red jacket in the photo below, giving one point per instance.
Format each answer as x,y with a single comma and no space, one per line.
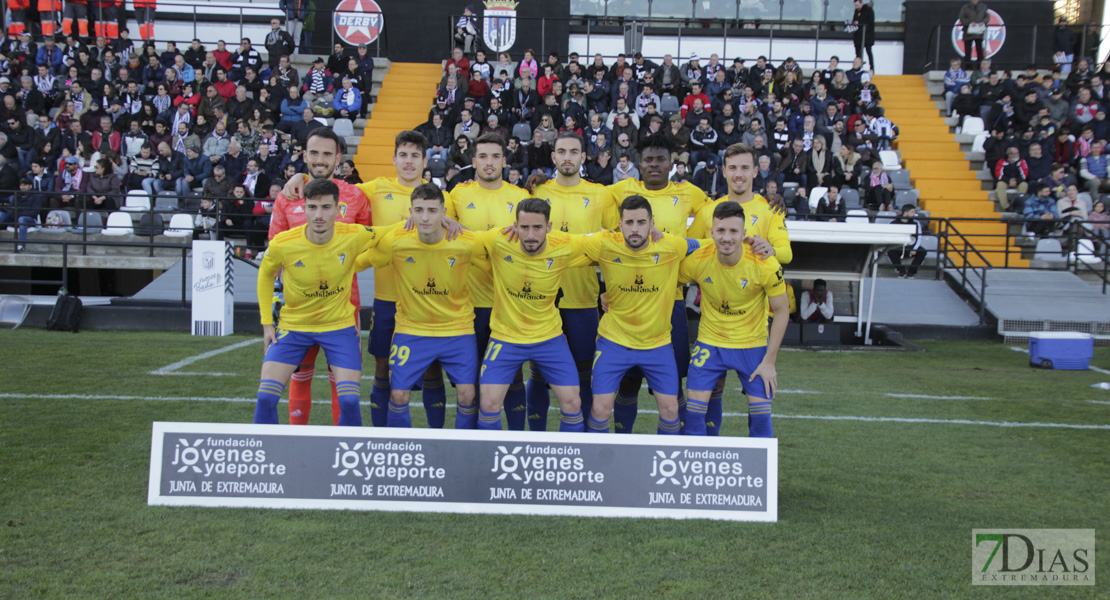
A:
1010,173
76,10
16,26
695,93
223,55
144,14
323,153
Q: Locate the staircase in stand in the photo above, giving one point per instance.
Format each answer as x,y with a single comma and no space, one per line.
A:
403,103
946,181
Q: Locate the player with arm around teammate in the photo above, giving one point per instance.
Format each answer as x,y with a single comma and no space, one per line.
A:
736,288
319,261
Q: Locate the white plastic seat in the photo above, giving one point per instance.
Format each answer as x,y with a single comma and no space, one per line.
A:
890,159
980,139
181,225
137,201
344,127
972,125
856,216
1085,252
815,196
119,223
1049,250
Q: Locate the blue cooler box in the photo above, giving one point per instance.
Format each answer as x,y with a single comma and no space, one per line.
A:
1061,350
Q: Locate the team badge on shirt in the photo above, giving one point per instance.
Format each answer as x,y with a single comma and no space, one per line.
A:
674,201
585,203
451,261
743,284
550,261
342,258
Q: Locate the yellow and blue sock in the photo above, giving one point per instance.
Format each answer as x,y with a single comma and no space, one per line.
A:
759,419
668,427
398,415
434,397
714,413
466,417
350,414
516,411
379,402
489,420
539,402
695,423
269,393
624,412
595,426
572,422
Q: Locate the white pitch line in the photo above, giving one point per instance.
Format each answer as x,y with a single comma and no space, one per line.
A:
928,397
1098,402
730,414
1103,371
169,369
1019,349
740,389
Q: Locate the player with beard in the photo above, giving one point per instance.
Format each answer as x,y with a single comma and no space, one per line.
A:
671,205
765,230
480,205
737,286
389,199
323,153
576,207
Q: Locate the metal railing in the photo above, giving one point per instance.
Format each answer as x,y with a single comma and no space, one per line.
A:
1035,38
803,10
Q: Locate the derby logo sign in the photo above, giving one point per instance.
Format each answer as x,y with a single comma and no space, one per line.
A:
358,21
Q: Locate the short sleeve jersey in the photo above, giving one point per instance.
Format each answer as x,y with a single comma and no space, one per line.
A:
577,209
317,278
733,299
525,286
639,286
390,202
759,220
671,207
478,209
431,281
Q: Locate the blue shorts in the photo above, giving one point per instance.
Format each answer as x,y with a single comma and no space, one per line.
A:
710,363
552,357
680,341
580,327
612,361
381,328
411,355
342,347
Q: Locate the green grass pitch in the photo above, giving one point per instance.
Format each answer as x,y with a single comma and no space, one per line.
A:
878,508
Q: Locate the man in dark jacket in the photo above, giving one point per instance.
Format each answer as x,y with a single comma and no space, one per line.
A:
278,43
171,167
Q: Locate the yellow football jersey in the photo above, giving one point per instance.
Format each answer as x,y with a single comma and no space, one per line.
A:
760,220
390,202
317,278
638,287
525,286
577,209
481,210
431,282
671,207
733,299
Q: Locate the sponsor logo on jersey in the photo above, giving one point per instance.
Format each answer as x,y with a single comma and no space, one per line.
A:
638,286
389,196
525,293
565,227
471,205
298,264
508,259
410,260
617,261
298,210
707,280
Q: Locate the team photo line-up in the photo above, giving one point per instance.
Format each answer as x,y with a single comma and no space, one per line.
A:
479,280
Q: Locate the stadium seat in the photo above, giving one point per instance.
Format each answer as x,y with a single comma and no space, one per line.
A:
972,125
857,216
885,216
190,203
181,225
166,202
850,197
900,178
119,223
91,222
670,106
1085,252
137,201
523,132
815,196
980,138
57,221
789,191
344,127
864,173
437,166
890,159
147,226
904,197
1049,250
